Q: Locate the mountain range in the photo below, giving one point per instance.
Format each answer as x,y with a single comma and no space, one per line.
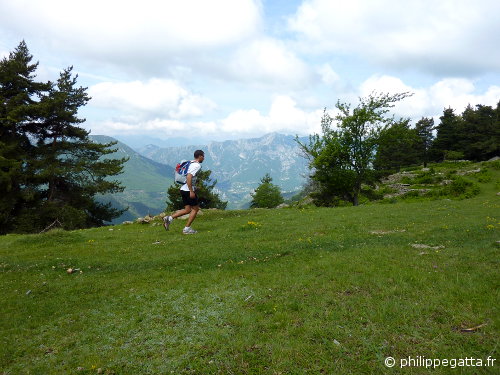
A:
237,165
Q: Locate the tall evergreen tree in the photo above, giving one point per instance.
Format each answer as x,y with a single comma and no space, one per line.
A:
50,169
69,168
424,128
482,125
450,135
19,116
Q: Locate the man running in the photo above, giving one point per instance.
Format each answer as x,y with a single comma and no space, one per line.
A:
189,197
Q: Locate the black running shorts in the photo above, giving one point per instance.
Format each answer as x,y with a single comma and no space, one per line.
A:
187,200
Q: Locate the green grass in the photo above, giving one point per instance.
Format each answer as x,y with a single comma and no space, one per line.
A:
289,291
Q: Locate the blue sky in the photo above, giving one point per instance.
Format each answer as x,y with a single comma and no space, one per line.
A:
228,69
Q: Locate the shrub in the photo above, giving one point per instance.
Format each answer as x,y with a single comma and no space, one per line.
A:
372,194
426,178
411,194
453,155
461,188
483,176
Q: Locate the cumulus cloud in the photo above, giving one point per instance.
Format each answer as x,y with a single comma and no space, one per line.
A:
155,97
164,109
456,93
284,116
268,61
445,37
157,127
127,30
328,75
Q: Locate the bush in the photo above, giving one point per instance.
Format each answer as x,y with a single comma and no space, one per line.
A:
372,194
483,176
426,178
460,188
411,194
453,155
267,195
494,164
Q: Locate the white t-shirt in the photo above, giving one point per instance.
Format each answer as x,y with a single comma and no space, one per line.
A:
194,167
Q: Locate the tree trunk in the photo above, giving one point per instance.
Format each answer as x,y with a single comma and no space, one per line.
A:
355,199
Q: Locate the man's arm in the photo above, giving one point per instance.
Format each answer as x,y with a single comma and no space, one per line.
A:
189,182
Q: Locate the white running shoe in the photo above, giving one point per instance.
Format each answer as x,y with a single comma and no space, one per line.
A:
167,220
189,231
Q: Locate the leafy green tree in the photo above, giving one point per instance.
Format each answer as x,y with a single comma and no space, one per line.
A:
397,147
205,190
267,194
424,128
342,158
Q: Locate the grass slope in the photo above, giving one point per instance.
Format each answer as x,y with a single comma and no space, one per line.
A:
287,291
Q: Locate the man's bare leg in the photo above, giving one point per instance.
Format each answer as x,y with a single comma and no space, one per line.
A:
185,211
192,215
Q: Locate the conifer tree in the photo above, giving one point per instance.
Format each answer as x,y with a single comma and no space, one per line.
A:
267,194
424,128
19,116
50,169
482,136
69,167
450,135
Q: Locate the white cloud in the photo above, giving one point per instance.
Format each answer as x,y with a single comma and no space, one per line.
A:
158,128
269,62
148,99
445,37
430,101
328,75
284,116
125,30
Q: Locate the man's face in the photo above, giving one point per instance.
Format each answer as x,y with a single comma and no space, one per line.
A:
201,158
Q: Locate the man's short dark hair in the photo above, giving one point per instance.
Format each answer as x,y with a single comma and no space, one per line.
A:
198,153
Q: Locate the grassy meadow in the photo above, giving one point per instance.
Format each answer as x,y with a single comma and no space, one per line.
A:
289,291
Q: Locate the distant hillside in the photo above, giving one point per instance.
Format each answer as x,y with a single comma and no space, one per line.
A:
239,165
145,180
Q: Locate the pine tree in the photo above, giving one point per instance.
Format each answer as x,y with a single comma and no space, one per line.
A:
267,194
424,128
69,168
49,168
19,117
482,140
450,135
